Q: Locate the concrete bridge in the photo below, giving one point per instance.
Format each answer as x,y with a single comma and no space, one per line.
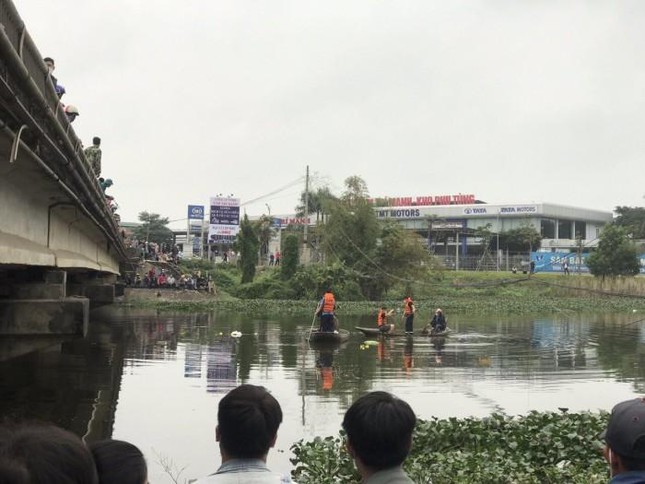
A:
60,246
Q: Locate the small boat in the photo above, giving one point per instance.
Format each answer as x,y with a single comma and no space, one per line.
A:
373,331
435,334
326,337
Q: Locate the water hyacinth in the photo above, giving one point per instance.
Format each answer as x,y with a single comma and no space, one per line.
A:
541,447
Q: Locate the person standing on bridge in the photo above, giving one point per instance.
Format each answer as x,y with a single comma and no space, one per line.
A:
93,155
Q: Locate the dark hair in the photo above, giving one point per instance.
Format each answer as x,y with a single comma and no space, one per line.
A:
379,428
248,419
38,453
96,140
119,462
49,59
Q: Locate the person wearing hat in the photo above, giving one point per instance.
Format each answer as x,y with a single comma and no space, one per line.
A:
625,442
438,322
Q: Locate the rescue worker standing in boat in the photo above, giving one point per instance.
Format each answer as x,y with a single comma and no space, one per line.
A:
408,314
381,320
325,310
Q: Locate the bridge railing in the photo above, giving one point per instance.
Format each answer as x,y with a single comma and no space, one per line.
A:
32,98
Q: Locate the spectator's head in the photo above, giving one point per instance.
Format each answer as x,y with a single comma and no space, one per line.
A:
438,311
625,437
71,112
379,431
60,90
44,453
49,62
247,423
119,462
96,141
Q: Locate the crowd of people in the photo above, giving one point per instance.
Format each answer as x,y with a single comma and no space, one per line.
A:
166,280
378,426
92,153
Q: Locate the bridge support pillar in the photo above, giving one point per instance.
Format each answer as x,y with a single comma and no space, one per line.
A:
44,316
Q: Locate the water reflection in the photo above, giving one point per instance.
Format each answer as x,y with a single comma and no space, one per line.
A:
156,378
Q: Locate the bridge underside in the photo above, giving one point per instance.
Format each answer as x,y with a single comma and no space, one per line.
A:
55,262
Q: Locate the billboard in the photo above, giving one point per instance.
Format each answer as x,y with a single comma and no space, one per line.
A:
224,218
195,212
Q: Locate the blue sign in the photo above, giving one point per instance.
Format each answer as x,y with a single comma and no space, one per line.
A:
196,212
554,262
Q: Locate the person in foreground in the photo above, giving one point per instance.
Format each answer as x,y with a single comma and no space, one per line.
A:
379,437
247,427
625,442
38,453
119,462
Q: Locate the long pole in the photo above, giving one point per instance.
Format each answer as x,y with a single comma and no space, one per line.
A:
188,245
456,251
311,330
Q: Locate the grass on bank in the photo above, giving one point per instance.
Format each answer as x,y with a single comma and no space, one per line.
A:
462,291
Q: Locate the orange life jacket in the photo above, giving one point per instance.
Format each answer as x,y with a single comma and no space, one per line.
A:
327,378
407,309
382,318
329,303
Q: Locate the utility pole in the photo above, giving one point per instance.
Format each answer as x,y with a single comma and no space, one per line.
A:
305,248
456,250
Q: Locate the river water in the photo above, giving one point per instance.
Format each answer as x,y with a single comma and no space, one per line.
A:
155,379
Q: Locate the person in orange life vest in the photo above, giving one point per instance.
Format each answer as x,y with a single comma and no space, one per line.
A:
408,314
325,310
381,320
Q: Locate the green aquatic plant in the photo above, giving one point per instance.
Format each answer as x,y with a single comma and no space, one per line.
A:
541,447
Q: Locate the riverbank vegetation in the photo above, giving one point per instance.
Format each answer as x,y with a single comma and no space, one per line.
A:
540,448
453,291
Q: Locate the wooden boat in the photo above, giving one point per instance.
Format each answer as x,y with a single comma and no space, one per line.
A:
373,331
325,337
435,334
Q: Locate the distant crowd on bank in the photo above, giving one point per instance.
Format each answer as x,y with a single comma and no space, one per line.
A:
378,427
93,153
195,281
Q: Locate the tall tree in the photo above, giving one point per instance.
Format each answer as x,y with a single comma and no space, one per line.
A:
319,203
264,231
153,228
248,243
352,229
632,219
616,254
290,257
400,257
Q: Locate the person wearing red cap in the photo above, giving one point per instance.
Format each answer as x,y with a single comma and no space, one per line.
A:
625,442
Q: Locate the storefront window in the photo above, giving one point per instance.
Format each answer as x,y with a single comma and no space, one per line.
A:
564,229
547,229
581,229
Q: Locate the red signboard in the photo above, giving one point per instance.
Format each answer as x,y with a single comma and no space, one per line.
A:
458,199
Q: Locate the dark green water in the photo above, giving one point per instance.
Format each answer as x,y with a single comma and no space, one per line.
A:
156,379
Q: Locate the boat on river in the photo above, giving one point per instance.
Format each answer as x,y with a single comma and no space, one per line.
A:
435,334
327,337
374,331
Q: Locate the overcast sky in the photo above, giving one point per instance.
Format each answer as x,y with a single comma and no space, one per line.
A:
539,101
